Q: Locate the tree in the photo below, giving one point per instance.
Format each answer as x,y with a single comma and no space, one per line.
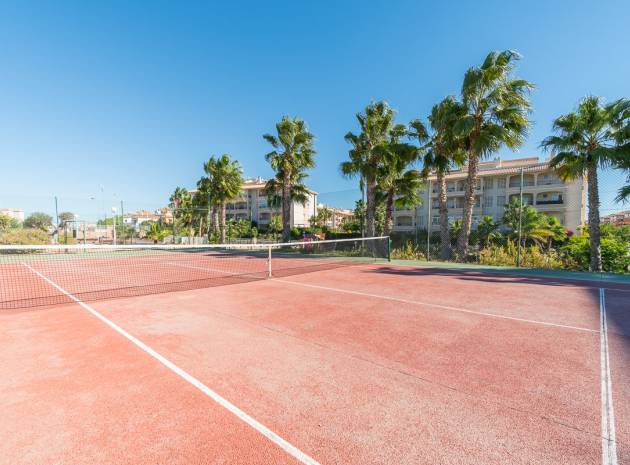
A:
293,153
455,229
156,232
443,151
8,222
225,178
399,184
585,140
181,205
369,148
534,226
38,220
497,109
65,217
324,215
487,231
275,225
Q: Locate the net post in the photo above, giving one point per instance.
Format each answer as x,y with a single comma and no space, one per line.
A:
269,262
389,249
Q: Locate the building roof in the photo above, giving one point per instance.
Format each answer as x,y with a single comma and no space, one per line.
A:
500,167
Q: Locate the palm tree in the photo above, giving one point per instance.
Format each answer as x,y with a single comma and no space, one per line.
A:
497,108
487,231
155,232
367,153
181,206
293,153
534,226
204,200
399,184
443,151
588,139
225,179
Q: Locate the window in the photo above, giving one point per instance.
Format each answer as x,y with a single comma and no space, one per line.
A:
547,179
501,200
477,202
487,201
404,221
501,183
488,184
435,220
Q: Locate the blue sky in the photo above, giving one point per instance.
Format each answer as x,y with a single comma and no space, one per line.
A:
135,96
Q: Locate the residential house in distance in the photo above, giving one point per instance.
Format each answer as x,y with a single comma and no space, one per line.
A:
338,216
252,205
14,213
135,219
499,182
618,219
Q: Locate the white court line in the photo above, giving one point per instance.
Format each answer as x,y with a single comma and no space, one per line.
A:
262,429
443,307
609,443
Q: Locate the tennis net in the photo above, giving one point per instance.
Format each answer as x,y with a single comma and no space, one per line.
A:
33,276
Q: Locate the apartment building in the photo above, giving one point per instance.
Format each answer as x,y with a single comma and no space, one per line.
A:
252,205
499,182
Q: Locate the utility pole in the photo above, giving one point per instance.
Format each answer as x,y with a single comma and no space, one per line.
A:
114,222
122,222
520,223
56,220
429,224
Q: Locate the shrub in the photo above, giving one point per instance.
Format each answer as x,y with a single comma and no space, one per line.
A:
408,251
24,237
615,243
531,257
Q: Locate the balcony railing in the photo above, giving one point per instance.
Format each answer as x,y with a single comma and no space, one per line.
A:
550,202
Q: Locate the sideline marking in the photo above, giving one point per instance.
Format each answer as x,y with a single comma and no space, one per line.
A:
444,307
262,429
609,442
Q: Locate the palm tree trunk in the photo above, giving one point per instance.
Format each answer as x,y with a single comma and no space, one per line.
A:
469,203
593,219
370,208
389,213
215,220
445,240
286,209
222,222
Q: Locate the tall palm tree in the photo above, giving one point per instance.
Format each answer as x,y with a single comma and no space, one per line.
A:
368,151
181,206
204,200
293,154
497,115
588,139
225,177
398,182
443,151
622,160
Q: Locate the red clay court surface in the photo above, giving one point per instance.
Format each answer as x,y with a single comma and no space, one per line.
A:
369,364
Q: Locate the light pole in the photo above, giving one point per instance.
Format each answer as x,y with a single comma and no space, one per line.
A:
429,223
114,222
520,223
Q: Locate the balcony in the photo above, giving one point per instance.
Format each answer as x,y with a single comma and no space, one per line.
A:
550,198
528,181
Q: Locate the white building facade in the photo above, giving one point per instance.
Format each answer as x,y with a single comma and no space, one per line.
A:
252,205
499,182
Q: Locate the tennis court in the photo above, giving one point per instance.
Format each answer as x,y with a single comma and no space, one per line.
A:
314,353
